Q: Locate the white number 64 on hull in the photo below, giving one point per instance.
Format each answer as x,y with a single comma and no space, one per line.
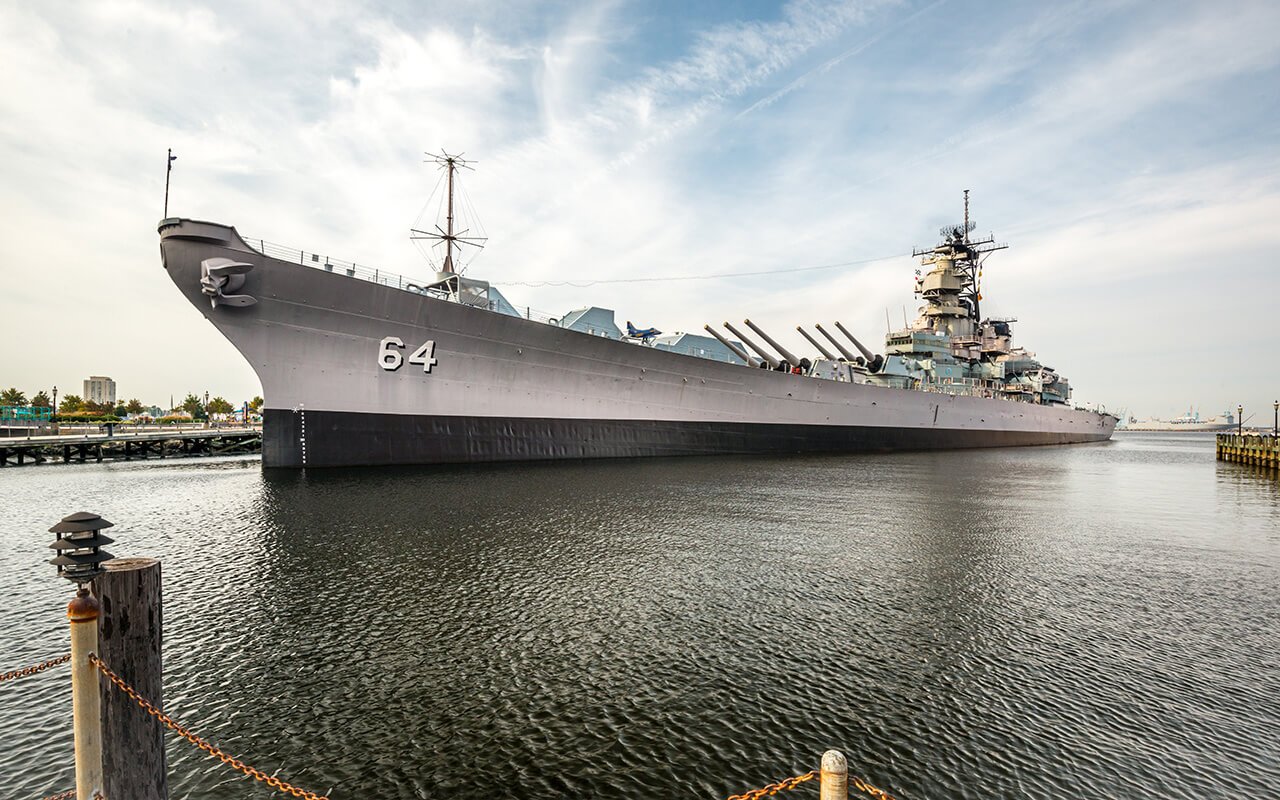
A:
390,358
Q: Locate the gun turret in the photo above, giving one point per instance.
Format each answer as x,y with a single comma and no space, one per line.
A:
865,352
843,350
751,361
792,360
773,362
825,353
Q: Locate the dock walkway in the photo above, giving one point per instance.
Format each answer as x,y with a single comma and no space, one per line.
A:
96,446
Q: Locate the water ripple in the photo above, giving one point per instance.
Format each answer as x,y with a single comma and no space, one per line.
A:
1034,623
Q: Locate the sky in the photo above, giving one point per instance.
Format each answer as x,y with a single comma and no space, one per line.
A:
1126,151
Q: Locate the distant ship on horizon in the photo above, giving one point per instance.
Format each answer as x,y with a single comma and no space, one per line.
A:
1188,423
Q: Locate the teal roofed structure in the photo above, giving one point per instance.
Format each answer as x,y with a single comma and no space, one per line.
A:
694,345
594,320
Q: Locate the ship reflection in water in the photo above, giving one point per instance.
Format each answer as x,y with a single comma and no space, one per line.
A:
1043,622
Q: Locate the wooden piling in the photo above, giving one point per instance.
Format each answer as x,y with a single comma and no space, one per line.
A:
133,758
835,776
1250,448
85,708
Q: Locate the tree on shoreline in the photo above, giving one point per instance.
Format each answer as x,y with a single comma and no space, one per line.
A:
70,404
41,400
193,406
12,397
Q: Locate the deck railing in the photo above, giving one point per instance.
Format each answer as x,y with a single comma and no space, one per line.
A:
376,275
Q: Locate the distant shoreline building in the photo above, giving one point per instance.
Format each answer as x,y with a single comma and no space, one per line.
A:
100,389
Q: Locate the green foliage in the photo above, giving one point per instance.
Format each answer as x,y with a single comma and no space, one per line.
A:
172,418
192,405
219,405
70,404
85,416
12,397
134,406
256,403
41,400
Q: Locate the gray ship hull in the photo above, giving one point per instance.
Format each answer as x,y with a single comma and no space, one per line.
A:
491,387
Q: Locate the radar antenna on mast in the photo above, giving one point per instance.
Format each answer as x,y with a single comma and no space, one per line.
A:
451,239
959,233
965,257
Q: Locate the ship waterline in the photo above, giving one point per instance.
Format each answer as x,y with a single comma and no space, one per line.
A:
357,372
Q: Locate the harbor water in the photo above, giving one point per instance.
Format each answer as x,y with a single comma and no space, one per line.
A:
1088,621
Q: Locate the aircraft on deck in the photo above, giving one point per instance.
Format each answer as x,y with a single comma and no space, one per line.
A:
643,335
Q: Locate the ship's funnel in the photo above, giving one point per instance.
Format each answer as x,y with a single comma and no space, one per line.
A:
792,360
844,351
750,360
865,352
773,362
825,353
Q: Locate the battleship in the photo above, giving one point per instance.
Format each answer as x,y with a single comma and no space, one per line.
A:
363,367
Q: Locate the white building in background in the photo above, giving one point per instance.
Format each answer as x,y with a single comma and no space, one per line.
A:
100,390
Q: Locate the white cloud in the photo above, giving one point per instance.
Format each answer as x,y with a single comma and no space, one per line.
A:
831,133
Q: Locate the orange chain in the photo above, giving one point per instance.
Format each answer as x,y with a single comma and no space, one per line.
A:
22,673
71,796
774,788
791,783
858,783
197,741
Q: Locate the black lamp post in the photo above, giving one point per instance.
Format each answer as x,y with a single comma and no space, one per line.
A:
1275,424
79,546
1239,420
53,415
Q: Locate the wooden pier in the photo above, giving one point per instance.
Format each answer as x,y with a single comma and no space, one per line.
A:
1257,449
98,446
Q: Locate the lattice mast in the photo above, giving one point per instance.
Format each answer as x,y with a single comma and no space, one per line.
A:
451,240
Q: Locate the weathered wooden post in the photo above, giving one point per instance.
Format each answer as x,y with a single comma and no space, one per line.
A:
835,776
129,636
86,712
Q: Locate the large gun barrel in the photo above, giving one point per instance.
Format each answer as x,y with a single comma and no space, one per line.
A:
792,360
865,352
751,360
844,351
825,353
773,362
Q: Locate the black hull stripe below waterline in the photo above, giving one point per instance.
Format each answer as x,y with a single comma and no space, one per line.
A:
337,438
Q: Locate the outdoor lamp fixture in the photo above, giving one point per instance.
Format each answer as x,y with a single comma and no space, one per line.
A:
79,546
1239,419
1275,425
